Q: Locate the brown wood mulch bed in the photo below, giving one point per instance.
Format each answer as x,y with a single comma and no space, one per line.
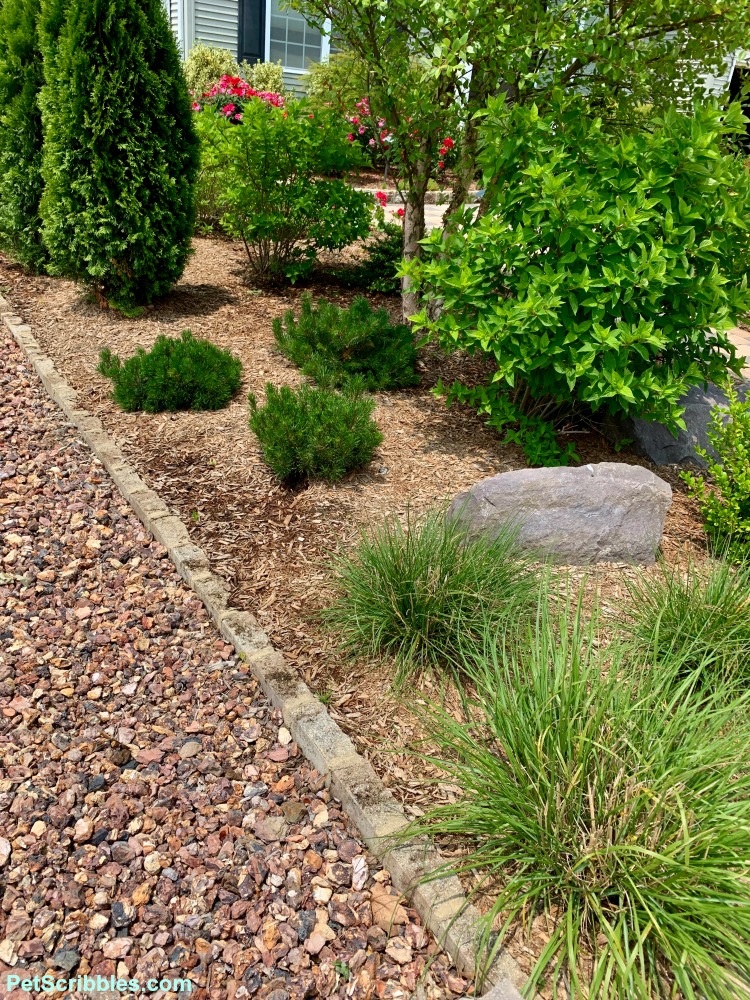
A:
272,543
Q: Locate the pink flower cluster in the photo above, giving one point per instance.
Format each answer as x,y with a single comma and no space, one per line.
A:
367,130
235,86
382,199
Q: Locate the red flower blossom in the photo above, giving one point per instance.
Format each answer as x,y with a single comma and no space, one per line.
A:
400,213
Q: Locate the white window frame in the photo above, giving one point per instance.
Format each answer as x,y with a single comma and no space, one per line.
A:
325,44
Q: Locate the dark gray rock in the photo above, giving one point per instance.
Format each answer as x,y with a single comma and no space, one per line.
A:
657,443
610,512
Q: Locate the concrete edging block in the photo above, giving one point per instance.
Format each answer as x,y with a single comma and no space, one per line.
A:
369,804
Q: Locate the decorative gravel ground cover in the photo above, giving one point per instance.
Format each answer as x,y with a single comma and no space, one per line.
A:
155,819
269,542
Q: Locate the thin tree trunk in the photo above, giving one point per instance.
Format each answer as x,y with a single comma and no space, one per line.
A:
414,227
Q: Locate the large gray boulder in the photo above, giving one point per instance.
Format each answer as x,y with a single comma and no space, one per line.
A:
610,512
656,442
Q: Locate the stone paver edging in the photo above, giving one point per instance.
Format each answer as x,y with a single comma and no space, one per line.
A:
441,903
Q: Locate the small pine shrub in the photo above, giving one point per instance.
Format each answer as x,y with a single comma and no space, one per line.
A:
120,154
378,272
205,65
725,499
420,593
702,615
314,433
608,800
176,374
21,77
332,345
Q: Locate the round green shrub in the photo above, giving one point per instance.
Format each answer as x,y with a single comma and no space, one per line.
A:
314,433
120,152
332,345
205,65
176,374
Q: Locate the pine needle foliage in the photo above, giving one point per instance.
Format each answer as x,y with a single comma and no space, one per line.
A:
21,185
312,433
332,345
120,155
612,798
418,593
176,374
701,615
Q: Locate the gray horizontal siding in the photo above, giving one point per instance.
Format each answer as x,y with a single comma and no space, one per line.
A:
217,23
717,85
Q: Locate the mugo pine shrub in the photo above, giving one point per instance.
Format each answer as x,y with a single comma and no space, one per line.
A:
310,433
21,184
121,155
612,798
725,499
176,374
277,196
331,345
601,276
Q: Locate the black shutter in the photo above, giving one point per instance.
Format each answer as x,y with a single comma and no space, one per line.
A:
252,40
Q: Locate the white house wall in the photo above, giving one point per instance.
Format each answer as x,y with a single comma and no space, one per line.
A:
215,23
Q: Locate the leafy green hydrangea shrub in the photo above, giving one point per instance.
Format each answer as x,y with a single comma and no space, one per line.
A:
331,344
176,374
601,275
314,433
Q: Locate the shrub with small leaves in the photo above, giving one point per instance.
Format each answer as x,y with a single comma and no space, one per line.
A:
176,374
263,76
332,345
205,65
314,433
725,499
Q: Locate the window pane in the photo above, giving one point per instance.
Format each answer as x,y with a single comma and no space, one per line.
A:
295,33
294,57
278,52
278,27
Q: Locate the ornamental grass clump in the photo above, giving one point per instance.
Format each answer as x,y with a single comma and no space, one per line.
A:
176,374
332,345
311,433
420,593
701,615
611,799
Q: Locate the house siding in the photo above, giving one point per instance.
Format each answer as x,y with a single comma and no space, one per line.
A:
216,23
718,85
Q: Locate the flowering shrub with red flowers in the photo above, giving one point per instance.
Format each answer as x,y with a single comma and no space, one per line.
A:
370,132
229,96
271,171
447,154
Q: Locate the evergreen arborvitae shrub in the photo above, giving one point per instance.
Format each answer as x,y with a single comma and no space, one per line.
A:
314,433
121,154
333,345
176,374
21,185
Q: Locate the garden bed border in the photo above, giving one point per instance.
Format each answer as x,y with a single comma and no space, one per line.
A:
441,903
